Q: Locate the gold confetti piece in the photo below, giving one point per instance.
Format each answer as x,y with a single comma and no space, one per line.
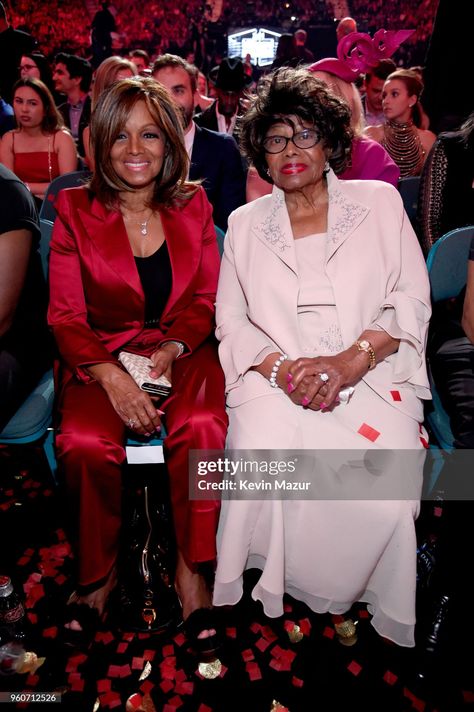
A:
146,671
96,705
210,670
30,662
346,632
295,635
147,704
278,707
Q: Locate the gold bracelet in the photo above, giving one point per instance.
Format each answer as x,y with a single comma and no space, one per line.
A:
366,346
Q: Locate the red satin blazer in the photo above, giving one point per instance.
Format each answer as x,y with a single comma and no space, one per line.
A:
97,303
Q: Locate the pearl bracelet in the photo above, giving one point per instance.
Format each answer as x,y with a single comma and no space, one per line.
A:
276,366
179,345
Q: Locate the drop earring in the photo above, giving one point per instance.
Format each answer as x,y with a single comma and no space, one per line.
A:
326,168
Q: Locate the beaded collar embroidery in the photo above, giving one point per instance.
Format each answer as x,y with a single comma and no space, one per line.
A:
403,144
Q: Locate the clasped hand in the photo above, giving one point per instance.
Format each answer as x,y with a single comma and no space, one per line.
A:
136,407
305,387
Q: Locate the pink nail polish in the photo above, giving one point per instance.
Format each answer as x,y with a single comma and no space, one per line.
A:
305,401
289,377
160,412
158,429
323,406
290,388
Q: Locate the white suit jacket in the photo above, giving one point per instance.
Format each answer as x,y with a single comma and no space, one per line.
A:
377,271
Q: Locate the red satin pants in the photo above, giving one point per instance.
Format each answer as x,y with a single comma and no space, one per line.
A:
90,446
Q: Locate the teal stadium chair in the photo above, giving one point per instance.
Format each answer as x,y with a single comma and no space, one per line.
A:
67,180
409,188
33,420
447,268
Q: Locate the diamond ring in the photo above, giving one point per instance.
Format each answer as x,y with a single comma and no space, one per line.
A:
131,423
324,377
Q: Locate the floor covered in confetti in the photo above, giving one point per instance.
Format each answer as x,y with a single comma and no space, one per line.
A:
261,666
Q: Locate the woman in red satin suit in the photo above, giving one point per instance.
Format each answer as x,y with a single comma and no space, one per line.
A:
134,266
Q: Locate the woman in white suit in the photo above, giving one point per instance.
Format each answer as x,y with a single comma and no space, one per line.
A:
323,287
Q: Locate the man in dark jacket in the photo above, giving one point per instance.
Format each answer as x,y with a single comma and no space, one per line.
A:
13,44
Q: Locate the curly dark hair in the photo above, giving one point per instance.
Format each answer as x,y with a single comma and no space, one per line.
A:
296,92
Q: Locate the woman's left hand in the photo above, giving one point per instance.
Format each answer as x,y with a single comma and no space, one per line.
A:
311,390
163,360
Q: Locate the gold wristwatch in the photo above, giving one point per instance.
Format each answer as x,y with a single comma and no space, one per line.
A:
366,346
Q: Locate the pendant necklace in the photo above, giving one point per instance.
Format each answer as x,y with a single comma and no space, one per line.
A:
142,225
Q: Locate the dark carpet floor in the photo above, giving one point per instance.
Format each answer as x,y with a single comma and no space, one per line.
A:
260,663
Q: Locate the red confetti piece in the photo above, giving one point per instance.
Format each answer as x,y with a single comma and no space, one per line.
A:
180,639
255,627
143,636
114,671
297,682
180,676
305,626
247,655
75,661
204,708
168,673
390,678
438,511
185,688
122,647
262,644
288,626
396,395
138,664
61,579
149,655
32,617
268,633
146,687
29,552
168,650
418,704
364,614
329,632
32,680
175,702
50,632
231,632
125,670
128,637
354,668
103,685
24,560
111,699
105,638
135,700
425,443
287,607
468,696
253,671
166,686
368,432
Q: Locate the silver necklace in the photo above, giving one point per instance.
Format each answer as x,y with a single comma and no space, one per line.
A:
142,225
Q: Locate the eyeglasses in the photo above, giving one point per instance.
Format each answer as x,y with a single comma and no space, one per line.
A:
303,139
27,67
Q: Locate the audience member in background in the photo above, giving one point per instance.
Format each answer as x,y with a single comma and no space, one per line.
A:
401,136
36,65
13,45
134,265
285,55
368,160
40,148
102,27
7,117
322,285
373,86
141,60
111,70
446,198
25,348
72,76
215,158
345,27
302,52
424,118
230,84
201,98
